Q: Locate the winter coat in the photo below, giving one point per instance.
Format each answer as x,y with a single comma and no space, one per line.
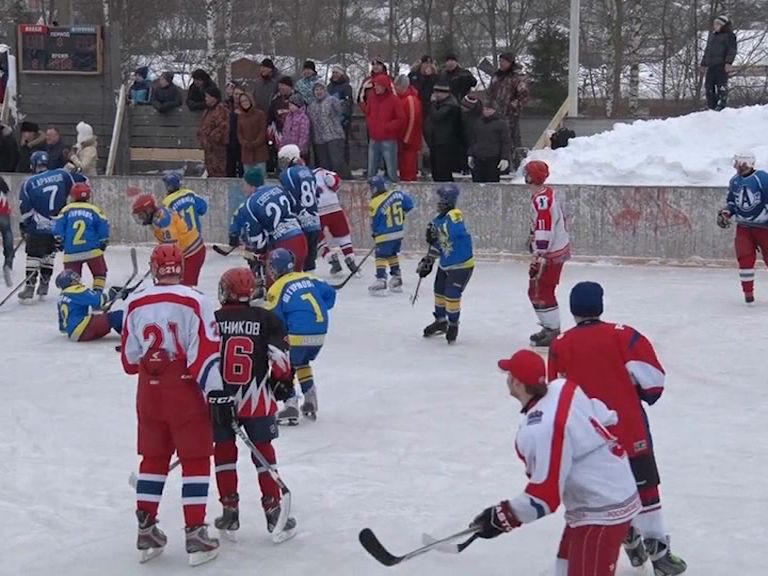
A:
265,90
721,48
252,135
366,88
325,116
460,81
56,157
342,91
279,102
9,150
196,97
471,110
424,85
213,136
384,113
491,138
446,123
509,92
166,99
411,137
26,151
84,158
296,130
140,92
305,87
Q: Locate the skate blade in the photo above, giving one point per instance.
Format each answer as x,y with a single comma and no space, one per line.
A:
283,536
229,535
378,293
198,558
311,415
396,290
149,554
288,422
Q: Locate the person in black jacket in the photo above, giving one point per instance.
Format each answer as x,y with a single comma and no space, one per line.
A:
201,81
445,133
491,146
9,149
32,140
167,96
717,62
340,87
460,81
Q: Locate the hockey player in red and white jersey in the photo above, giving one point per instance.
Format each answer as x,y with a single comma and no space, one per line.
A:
569,457
334,222
170,340
618,366
550,247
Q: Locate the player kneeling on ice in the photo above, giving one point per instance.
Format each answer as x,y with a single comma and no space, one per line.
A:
450,242
387,208
569,456
747,204
302,302
82,232
171,342
256,370
333,221
550,247
76,301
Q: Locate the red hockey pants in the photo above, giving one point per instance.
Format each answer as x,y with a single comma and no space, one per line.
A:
748,241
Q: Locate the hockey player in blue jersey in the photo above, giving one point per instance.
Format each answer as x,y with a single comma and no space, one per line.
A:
80,315
302,302
450,242
42,197
747,204
82,231
184,201
387,208
300,182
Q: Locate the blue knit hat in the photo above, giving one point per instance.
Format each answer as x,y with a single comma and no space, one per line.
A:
587,300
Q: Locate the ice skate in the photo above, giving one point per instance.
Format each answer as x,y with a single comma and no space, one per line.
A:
335,265
452,333
664,562
151,540
229,521
439,326
7,276
352,265
749,297
396,284
289,416
378,287
42,290
201,548
544,337
634,548
272,510
27,293
309,407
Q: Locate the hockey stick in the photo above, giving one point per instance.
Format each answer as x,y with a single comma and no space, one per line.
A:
18,245
224,251
17,288
123,292
448,547
133,478
352,274
278,532
415,295
374,547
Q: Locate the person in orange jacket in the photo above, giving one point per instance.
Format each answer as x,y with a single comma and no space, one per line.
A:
409,145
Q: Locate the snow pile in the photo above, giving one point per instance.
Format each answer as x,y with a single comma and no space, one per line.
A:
696,149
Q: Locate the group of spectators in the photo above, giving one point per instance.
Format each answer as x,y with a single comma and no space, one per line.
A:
15,152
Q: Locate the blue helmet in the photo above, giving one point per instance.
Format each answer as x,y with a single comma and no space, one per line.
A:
66,279
281,262
378,184
172,181
39,158
447,196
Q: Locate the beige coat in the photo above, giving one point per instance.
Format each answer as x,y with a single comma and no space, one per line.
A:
84,158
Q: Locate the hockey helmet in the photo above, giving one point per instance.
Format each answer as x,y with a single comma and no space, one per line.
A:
80,192
172,182
67,278
281,261
237,285
378,184
288,155
447,196
167,264
39,159
744,162
331,180
144,208
536,172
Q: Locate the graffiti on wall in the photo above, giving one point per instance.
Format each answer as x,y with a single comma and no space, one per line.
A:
649,208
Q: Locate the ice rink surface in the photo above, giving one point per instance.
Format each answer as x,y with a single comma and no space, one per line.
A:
412,435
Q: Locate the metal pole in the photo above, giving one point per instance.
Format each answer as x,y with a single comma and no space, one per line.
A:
573,61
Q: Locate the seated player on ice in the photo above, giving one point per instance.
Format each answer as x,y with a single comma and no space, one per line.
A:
302,302
256,371
79,308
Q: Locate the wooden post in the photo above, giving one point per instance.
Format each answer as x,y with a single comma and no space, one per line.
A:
116,129
573,61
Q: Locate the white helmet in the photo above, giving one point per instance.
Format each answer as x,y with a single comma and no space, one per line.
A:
332,180
288,154
744,160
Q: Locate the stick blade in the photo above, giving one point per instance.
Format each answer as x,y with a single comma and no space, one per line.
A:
371,543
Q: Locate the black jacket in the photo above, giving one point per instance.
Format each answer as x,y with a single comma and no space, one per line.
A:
343,92
196,97
56,157
26,151
424,85
446,129
461,81
166,99
9,150
721,48
490,138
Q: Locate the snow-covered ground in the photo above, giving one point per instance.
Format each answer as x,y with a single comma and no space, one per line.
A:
412,436
696,149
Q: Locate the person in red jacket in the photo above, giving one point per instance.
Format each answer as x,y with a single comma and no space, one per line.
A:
409,145
385,118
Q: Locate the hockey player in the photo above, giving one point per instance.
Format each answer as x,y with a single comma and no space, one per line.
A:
449,242
333,221
185,202
6,232
550,247
252,340
387,209
569,457
618,366
300,183
82,230
170,340
76,319
302,302
42,196
747,204
170,228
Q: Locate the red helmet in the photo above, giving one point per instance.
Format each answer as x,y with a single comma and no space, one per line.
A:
237,285
536,172
80,192
144,208
167,264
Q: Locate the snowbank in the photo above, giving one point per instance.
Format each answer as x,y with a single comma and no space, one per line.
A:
696,149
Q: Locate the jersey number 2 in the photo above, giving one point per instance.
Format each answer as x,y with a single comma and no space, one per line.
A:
79,226
237,363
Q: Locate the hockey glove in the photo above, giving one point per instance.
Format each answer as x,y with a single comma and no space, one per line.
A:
282,389
103,245
496,520
424,268
432,235
222,407
724,219
234,240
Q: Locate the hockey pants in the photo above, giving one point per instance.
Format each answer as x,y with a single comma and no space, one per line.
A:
98,268
748,241
449,287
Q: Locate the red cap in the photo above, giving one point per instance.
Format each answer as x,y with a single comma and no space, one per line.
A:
526,366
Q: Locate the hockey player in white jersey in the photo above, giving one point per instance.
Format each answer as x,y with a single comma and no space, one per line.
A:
334,222
571,458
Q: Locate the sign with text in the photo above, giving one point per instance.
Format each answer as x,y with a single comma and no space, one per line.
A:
60,49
